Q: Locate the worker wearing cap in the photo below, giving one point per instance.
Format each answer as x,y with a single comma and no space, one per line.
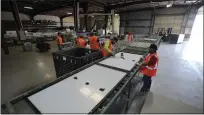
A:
94,42
149,67
107,48
80,44
59,41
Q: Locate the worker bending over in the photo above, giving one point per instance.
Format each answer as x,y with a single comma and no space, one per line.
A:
108,47
80,44
93,42
149,67
59,41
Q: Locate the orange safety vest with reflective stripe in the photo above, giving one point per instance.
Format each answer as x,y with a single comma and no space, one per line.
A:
150,70
93,41
59,40
104,52
81,43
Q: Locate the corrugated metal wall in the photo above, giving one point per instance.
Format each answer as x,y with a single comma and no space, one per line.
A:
9,16
68,21
180,19
189,21
169,18
136,22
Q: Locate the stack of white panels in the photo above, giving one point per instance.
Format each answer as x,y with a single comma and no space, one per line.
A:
140,44
150,39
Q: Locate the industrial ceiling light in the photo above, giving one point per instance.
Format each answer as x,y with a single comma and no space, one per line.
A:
26,7
190,1
69,13
169,5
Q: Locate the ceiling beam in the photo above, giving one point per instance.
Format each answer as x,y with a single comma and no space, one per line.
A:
65,16
67,5
95,14
96,2
157,7
133,3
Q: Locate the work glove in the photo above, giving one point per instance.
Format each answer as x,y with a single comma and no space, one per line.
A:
138,64
112,54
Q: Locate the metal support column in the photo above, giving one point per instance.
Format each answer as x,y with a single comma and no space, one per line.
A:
4,45
152,22
19,27
86,10
61,22
32,18
76,14
106,20
112,20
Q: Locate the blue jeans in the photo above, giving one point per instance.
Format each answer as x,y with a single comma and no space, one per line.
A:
147,80
59,47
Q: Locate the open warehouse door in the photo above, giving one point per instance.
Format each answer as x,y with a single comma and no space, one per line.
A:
194,50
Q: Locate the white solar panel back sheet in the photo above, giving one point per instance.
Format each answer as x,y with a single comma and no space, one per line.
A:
127,63
74,96
150,39
140,44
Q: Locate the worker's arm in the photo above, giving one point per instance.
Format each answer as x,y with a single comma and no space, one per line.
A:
151,61
106,46
88,42
98,40
76,42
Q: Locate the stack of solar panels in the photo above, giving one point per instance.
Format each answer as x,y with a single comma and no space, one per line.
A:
141,45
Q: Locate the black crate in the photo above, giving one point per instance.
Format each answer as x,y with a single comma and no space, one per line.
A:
66,61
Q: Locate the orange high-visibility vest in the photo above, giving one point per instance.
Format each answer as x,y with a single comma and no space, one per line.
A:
130,37
94,45
59,40
81,43
150,70
106,53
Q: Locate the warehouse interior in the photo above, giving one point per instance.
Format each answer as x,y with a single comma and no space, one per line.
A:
176,25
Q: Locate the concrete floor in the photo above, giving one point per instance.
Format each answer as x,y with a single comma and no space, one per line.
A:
179,77
22,71
178,86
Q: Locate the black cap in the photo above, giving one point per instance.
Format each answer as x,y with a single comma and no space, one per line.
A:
91,34
116,39
153,46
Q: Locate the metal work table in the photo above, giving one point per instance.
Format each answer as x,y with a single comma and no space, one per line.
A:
90,89
141,46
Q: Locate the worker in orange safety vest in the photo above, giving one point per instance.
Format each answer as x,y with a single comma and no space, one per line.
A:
80,44
94,42
149,67
107,47
130,37
59,41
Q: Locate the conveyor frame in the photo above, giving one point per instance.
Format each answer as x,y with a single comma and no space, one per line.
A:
107,101
101,107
